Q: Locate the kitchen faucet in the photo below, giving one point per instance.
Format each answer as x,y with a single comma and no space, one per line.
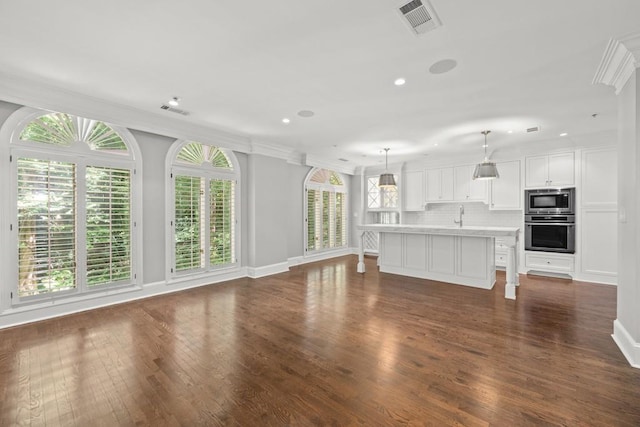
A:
460,215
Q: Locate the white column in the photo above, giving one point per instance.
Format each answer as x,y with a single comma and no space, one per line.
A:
513,279
361,268
618,68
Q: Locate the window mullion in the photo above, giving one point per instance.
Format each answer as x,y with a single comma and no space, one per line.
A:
206,223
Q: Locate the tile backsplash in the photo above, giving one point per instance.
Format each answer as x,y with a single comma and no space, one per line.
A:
474,214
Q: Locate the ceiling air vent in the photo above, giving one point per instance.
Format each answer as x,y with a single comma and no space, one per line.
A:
533,129
174,110
420,16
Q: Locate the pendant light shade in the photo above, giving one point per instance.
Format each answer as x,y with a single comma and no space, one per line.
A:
386,179
486,169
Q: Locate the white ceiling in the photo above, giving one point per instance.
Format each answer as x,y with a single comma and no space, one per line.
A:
241,66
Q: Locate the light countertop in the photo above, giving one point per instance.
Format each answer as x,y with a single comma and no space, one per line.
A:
451,230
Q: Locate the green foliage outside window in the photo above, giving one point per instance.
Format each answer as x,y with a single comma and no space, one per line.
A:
188,233
46,226
221,221
108,225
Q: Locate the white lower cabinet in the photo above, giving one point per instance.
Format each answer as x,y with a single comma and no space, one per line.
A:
442,254
550,262
463,260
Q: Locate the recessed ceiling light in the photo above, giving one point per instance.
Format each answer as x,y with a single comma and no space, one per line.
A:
509,131
435,145
399,82
174,101
564,134
286,121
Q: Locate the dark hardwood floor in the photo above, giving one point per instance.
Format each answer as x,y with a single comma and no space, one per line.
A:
323,345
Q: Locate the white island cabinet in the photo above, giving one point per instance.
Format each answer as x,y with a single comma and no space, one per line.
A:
458,255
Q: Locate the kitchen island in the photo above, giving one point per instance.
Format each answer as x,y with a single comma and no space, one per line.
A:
458,255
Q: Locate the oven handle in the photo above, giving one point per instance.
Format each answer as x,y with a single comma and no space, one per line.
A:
568,224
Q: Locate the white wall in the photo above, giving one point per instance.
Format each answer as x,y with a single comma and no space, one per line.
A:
154,152
268,212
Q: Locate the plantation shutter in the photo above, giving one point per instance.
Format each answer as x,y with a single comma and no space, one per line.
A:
46,226
326,220
313,219
189,209
341,220
221,222
108,204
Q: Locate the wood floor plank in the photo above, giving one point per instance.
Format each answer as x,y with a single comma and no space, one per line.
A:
324,345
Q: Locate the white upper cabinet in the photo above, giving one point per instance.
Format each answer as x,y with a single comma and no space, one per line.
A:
440,185
506,191
553,170
465,188
414,194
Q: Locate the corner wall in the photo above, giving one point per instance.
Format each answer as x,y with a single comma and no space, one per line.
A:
627,325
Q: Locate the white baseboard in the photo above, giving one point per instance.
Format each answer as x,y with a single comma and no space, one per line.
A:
62,307
321,256
626,343
267,270
597,278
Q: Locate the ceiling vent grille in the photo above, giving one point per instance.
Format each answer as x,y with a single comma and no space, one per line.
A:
420,16
533,129
174,110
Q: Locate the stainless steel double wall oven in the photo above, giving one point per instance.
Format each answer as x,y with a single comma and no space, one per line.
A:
549,220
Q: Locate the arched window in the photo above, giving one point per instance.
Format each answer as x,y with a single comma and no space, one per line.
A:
204,229
326,211
73,185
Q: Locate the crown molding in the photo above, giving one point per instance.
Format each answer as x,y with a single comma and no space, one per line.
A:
274,150
43,95
318,162
620,59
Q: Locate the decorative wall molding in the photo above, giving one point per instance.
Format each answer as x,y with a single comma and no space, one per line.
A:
45,96
620,59
627,345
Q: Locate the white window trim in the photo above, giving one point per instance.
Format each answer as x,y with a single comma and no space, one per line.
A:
308,184
10,148
173,168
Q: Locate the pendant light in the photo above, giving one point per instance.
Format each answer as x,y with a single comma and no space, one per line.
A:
386,179
486,169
